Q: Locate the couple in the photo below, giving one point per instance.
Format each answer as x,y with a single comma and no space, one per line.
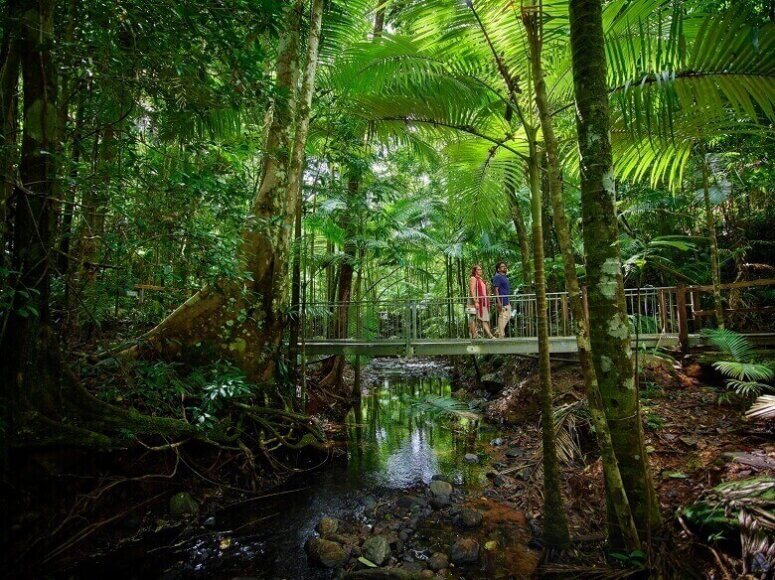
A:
479,302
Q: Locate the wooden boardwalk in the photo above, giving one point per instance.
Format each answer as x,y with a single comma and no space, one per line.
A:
453,347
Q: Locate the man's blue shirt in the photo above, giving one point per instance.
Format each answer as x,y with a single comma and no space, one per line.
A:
501,282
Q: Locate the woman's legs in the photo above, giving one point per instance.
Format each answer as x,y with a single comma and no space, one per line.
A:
486,327
472,326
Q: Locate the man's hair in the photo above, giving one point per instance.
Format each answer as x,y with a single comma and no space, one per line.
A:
498,265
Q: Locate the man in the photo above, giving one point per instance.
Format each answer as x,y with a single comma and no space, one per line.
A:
502,290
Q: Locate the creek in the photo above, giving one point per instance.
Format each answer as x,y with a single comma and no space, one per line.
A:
394,446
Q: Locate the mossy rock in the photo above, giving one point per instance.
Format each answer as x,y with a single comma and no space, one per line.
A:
183,505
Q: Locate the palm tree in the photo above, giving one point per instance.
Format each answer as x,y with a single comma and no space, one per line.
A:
457,69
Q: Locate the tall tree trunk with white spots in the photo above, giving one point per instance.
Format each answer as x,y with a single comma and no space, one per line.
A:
618,504
610,331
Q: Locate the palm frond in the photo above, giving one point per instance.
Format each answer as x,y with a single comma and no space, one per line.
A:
439,405
748,389
763,408
745,371
730,343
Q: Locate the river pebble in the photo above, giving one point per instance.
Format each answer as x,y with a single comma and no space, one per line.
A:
464,551
326,553
328,526
438,562
470,518
376,549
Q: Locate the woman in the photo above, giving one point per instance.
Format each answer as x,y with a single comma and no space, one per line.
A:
478,303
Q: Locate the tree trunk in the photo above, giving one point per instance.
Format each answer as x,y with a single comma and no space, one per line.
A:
359,320
555,523
296,305
62,191
68,211
29,379
616,496
87,246
550,237
710,225
244,319
522,235
610,331
333,369
297,173
10,57
379,19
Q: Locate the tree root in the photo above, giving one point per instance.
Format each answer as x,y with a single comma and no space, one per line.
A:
165,337
104,426
217,322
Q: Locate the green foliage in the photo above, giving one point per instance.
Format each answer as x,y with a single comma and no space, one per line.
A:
217,388
444,406
651,390
747,374
199,394
654,421
155,387
12,296
634,559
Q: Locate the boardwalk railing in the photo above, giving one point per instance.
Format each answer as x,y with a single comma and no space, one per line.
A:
675,312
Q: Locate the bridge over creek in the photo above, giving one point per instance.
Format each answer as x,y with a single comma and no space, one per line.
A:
666,317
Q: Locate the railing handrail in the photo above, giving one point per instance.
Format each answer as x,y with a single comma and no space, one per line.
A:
654,310
528,295
732,285
460,299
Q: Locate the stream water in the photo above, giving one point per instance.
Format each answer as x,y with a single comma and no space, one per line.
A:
392,444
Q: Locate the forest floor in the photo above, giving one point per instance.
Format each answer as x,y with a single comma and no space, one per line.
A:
93,503
694,443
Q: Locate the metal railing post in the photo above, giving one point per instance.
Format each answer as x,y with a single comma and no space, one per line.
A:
683,323
408,328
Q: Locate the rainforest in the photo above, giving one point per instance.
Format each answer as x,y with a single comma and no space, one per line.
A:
387,289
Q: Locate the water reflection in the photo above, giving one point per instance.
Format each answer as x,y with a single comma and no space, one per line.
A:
392,444
396,443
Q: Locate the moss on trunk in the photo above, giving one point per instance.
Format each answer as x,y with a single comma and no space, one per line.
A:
245,320
618,502
609,325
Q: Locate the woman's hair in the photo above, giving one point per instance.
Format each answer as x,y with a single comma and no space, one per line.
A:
473,269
